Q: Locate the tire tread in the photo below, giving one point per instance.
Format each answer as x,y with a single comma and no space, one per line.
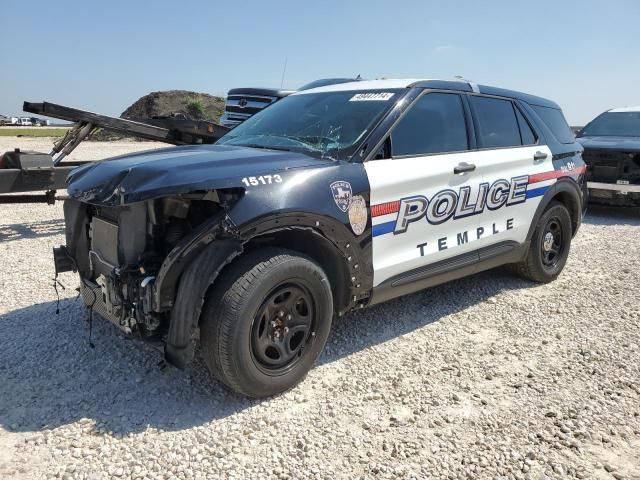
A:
529,268
235,285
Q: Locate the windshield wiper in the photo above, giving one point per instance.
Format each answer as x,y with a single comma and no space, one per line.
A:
300,149
300,146
265,147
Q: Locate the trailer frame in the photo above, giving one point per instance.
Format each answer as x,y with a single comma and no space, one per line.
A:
22,172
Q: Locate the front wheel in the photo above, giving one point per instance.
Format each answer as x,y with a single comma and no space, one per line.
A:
550,245
266,322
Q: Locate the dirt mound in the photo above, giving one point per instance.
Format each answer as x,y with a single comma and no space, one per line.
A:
196,106
192,105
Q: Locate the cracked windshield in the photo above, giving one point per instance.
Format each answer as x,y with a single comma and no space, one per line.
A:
325,125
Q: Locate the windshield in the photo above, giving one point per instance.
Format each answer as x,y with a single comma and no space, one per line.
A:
326,125
614,124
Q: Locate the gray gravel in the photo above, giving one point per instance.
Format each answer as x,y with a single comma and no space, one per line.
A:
486,377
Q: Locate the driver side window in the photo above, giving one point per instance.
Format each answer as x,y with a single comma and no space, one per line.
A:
435,124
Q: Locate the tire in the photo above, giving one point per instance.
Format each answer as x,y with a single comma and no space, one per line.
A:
550,245
266,322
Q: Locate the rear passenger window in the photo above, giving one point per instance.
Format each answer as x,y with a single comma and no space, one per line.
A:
554,119
435,124
526,134
497,123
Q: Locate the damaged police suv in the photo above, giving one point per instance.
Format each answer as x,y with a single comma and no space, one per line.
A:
332,199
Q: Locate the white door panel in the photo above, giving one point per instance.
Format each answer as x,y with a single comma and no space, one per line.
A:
394,180
517,162
407,234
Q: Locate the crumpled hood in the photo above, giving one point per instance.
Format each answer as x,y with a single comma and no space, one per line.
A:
176,170
611,143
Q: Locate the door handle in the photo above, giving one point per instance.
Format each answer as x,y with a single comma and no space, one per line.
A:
464,168
539,156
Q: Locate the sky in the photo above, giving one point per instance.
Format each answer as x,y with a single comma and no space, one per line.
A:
104,55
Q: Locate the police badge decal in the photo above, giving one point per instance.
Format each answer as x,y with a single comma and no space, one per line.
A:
342,192
358,216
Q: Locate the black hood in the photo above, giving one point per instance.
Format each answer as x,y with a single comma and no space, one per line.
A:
177,170
610,143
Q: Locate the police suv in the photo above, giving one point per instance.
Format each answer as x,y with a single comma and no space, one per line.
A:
332,199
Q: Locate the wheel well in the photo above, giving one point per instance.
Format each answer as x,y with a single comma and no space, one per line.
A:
318,248
572,205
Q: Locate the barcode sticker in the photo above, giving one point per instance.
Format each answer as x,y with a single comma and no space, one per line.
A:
371,97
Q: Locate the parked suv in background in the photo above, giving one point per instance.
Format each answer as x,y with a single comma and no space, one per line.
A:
611,144
241,103
331,200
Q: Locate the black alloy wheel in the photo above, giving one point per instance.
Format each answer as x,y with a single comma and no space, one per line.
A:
552,245
283,328
266,321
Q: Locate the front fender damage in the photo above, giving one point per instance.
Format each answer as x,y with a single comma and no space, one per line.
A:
190,297
192,269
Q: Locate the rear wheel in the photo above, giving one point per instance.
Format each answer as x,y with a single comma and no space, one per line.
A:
550,245
266,322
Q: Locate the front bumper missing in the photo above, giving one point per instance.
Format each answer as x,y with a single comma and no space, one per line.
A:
62,260
94,298
94,295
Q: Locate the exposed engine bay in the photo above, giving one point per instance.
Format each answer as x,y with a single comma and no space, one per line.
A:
119,251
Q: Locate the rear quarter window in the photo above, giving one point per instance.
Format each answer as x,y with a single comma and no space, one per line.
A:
554,119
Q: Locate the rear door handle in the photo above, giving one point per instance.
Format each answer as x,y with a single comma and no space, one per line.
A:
539,156
464,168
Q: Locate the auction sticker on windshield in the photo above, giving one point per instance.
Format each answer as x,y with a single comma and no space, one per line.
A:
371,97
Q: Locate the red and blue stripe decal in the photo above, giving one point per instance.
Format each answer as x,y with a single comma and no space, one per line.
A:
384,209
533,191
551,175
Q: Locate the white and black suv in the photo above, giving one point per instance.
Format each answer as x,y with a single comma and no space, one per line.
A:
332,199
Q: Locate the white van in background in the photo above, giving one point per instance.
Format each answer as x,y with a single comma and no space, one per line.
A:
4,120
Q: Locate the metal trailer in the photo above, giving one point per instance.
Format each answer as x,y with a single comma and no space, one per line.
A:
25,171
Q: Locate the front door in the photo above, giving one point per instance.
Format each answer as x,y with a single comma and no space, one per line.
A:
424,198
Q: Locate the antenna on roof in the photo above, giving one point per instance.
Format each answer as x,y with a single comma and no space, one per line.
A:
284,69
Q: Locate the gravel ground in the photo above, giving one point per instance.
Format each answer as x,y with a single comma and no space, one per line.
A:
486,377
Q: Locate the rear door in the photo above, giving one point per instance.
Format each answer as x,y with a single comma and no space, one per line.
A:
514,170
422,211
